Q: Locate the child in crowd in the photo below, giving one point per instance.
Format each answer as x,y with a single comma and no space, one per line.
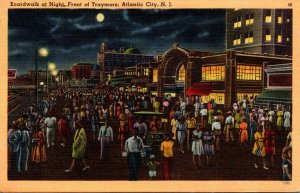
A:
152,165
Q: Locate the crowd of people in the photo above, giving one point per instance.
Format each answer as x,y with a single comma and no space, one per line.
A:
188,125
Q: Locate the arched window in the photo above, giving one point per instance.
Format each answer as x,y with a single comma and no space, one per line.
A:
181,73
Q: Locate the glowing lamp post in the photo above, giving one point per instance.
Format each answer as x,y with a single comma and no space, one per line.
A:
51,67
42,84
54,74
40,52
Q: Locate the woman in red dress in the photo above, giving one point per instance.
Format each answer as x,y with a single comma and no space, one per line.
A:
122,135
62,129
270,142
38,151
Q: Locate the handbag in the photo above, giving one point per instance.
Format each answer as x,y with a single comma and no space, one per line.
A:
124,154
258,152
143,154
35,140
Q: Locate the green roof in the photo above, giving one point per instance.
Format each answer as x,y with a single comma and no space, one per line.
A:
278,95
132,51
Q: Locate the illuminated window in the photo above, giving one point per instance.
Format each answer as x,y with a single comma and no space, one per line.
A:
181,73
213,72
237,22
248,37
268,36
237,40
249,19
287,39
146,72
279,37
218,98
268,18
279,19
240,96
155,74
247,72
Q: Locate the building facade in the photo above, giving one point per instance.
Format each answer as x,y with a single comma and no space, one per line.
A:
259,31
278,90
110,59
81,71
225,77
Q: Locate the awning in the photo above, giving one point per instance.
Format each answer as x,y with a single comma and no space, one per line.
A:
199,89
276,95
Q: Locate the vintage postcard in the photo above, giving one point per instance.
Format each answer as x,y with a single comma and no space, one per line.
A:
149,96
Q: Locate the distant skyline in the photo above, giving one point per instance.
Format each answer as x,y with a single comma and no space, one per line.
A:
73,36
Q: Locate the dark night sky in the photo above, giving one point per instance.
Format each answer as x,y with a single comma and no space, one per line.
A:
73,36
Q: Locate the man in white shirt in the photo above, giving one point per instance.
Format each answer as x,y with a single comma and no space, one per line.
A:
203,114
216,128
50,123
134,147
182,107
142,129
229,127
197,109
105,137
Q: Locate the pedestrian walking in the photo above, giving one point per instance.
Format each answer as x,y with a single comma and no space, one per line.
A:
197,146
209,148
50,123
181,128
286,163
38,150
191,124
106,138
134,147
62,129
229,128
152,167
259,147
20,141
270,142
166,147
78,147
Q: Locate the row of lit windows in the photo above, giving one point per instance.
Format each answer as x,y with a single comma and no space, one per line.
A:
249,72
249,38
244,72
213,73
240,96
129,73
218,98
145,72
249,19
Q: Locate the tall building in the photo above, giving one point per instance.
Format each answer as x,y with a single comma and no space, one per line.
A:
260,31
110,59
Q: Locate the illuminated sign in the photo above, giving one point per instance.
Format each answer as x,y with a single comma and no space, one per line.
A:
12,73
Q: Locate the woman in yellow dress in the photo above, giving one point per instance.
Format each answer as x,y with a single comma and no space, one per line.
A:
259,147
173,125
279,119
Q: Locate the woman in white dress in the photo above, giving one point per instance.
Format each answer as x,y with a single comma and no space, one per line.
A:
197,147
287,120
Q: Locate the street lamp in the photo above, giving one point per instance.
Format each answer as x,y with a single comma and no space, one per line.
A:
42,84
51,67
54,74
40,52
